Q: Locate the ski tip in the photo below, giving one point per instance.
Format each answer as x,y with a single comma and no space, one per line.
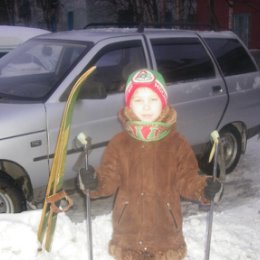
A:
90,70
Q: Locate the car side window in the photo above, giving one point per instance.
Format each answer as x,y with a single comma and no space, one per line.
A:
182,59
113,64
231,56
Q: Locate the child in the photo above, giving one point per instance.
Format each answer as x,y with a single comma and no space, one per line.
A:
150,167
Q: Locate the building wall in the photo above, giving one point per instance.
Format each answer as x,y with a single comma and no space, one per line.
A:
78,13
223,12
72,14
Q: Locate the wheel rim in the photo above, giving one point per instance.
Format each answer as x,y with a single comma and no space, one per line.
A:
6,205
230,148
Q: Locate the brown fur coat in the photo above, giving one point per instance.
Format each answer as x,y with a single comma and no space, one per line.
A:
149,179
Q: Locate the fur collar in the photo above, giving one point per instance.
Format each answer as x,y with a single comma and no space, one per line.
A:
148,131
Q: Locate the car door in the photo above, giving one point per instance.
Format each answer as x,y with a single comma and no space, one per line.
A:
95,114
243,81
195,87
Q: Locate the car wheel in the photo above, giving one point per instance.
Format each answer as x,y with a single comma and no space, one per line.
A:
232,147
12,199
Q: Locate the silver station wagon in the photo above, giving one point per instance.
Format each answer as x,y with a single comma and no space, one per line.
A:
212,81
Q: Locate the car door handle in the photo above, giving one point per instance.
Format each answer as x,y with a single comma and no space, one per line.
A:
217,89
36,143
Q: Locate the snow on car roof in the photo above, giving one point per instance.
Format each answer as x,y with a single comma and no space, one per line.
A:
11,36
97,34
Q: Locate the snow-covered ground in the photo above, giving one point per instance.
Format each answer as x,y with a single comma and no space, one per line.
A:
236,225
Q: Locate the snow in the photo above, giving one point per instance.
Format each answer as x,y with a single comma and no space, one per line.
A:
235,235
18,34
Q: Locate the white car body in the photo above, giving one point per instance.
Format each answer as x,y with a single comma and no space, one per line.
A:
212,81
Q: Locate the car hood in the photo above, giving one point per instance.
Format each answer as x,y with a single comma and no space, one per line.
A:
21,119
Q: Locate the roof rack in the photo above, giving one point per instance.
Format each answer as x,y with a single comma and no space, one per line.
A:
118,25
140,26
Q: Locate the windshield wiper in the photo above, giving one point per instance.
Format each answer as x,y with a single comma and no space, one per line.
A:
11,96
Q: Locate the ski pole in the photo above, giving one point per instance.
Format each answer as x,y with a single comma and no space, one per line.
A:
215,139
83,140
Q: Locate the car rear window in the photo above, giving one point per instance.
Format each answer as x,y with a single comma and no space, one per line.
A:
182,59
232,57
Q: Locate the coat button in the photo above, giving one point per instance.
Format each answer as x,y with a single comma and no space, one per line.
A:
142,194
140,242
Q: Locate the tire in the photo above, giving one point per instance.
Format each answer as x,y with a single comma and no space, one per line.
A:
12,199
232,146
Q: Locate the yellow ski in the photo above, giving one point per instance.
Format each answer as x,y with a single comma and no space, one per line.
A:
54,192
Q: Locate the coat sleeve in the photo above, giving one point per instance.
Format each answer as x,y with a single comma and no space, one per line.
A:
190,183
108,173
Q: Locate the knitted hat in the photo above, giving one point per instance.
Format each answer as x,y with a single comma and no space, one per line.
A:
149,79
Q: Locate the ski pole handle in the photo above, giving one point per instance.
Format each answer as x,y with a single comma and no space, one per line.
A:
215,139
215,136
82,138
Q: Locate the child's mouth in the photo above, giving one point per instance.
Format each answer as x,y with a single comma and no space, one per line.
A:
146,116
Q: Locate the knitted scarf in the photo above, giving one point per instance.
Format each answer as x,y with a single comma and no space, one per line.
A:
148,131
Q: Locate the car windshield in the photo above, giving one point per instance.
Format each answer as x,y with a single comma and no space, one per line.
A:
33,70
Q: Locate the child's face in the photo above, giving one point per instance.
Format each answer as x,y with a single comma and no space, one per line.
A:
146,104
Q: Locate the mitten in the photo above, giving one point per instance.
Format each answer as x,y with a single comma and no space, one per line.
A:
87,179
213,190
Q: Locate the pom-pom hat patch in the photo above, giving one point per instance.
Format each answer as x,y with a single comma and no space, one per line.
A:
149,79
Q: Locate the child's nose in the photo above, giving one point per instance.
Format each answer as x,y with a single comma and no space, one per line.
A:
147,105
